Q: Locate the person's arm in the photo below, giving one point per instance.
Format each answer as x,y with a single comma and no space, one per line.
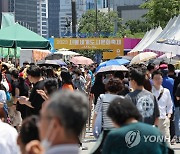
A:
24,100
16,95
1,105
97,109
169,106
43,94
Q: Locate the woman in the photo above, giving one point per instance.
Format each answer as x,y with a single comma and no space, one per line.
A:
21,90
113,87
66,80
98,88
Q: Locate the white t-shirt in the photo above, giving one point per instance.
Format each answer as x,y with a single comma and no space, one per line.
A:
8,139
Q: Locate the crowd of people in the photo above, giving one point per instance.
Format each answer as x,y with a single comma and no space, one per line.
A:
48,110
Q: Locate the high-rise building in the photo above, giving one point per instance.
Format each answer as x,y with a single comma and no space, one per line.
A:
42,17
26,13
53,18
65,14
129,10
3,8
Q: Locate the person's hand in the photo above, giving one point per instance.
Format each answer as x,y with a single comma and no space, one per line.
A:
43,94
34,147
22,99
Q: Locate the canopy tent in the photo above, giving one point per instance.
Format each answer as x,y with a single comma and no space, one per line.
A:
19,36
149,37
168,40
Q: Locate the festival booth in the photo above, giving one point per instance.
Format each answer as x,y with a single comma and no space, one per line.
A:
15,36
148,38
168,40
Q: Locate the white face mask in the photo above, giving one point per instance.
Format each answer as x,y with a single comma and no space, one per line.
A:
46,144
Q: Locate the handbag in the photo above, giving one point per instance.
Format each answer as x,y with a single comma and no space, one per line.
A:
98,122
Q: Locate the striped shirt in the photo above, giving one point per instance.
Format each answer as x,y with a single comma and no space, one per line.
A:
102,105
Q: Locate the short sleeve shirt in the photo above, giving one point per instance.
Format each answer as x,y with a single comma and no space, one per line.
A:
146,104
36,99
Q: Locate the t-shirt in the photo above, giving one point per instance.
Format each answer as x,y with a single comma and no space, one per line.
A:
14,86
36,99
23,91
67,87
135,138
169,84
146,104
102,105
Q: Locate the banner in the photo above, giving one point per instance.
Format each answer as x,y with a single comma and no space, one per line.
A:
114,44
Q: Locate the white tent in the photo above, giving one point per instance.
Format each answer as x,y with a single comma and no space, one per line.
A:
171,33
148,38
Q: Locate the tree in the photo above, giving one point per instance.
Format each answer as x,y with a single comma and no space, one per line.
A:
160,11
137,26
105,24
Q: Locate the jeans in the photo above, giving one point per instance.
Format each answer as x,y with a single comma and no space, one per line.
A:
177,121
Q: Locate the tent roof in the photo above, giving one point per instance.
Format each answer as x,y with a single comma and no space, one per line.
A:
19,36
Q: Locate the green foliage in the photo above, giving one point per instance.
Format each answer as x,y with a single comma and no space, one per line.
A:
160,11
137,26
105,24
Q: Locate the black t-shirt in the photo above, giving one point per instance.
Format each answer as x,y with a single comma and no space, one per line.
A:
36,99
14,86
23,91
97,90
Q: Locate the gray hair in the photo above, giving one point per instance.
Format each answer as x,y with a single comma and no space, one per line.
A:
71,108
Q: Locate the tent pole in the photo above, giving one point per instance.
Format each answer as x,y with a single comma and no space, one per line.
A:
170,57
15,51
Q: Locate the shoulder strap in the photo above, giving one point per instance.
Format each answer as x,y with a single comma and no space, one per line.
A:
160,95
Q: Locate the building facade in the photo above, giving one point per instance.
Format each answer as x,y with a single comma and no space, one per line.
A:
42,18
129,9
26,13
53,18
3,8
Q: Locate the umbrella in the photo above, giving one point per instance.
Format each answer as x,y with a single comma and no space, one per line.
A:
121,61
124,57
142,57
112,68
52,62
81,60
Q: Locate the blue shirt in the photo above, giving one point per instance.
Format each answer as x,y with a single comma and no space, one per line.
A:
169,84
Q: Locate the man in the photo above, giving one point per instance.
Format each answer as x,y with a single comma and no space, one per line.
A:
131,136
143,99
164,102
34,102
61,122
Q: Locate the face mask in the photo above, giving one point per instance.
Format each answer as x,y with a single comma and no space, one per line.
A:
46,144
